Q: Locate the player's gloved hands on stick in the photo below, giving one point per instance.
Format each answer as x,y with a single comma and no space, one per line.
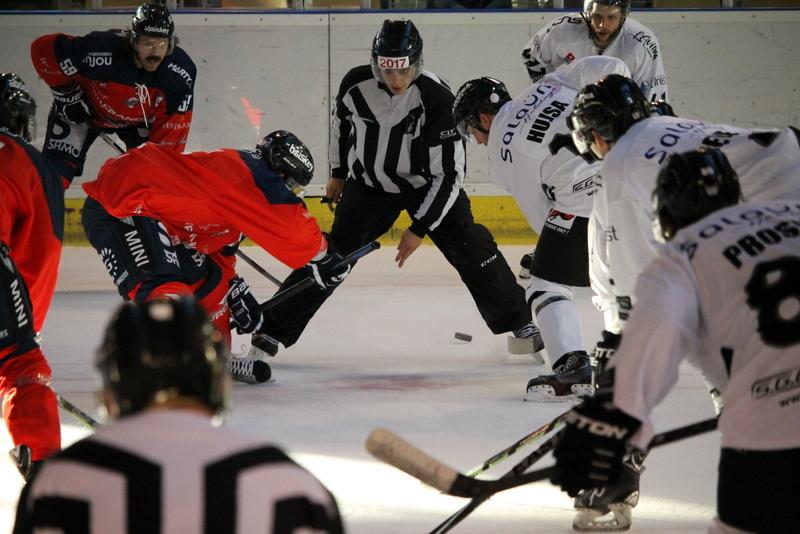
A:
592,446
325,271
70,105
604,350
245,312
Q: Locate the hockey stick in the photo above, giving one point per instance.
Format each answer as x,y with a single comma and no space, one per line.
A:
108,139
395,451
76,412
249,261
518,469
513,448
308,282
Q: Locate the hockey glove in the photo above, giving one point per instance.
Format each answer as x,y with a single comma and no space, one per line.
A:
70,105
245,312
326,273
603,351
591,448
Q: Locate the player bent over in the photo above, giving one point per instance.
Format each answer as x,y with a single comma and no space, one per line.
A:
723,293
176,220
31,233
613,121
536,162
137,84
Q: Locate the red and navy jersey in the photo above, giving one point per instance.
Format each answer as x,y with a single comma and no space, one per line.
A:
207,199
31,218
119,93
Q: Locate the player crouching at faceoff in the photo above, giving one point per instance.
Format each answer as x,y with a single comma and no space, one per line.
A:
708,289
162,465
137,84
168,224
31,233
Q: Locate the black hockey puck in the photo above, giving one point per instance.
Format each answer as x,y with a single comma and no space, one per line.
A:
463,337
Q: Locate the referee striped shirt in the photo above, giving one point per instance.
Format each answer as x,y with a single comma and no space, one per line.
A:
398,144
171,472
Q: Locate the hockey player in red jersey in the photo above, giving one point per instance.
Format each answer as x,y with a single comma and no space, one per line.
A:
198,206
31,231
138,84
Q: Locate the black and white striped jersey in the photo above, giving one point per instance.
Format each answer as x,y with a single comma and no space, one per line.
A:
171,472
398,144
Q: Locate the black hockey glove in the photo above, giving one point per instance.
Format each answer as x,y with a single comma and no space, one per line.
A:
326,273
603,351
70,105
591,448
245,312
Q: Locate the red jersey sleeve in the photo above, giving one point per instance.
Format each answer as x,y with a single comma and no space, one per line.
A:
54,72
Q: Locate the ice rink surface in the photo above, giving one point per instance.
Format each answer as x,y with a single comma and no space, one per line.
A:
382,352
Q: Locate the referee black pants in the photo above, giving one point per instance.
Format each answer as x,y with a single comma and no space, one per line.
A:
365,214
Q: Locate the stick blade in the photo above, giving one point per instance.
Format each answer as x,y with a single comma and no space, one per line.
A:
394,450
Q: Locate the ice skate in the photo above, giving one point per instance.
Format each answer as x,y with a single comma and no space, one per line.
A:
527,340
572,377
525,263
263,345
248,369
608,509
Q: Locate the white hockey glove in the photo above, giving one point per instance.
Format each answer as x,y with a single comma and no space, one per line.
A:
245,312
325,271
70,105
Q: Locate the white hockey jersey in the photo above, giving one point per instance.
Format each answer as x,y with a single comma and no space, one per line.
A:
724,294
531,154
621,237
567,38
172,472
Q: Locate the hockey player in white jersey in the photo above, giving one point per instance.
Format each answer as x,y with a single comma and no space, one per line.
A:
724,294
603,28
612,121
162,466
532,157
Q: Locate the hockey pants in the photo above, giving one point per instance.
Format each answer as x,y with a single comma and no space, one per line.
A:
365,214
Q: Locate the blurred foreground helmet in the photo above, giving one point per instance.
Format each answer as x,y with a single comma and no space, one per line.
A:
17,107
159,351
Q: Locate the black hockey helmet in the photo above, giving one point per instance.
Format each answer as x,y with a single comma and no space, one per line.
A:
481,95
153,20
286,154
690,186
609,107
17,107
396,46
162,350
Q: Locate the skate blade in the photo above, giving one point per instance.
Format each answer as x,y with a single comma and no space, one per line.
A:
615,518
546,393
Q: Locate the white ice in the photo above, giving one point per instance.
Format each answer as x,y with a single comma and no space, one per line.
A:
382,352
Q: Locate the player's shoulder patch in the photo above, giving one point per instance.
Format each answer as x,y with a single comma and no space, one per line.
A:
643,37
179,68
